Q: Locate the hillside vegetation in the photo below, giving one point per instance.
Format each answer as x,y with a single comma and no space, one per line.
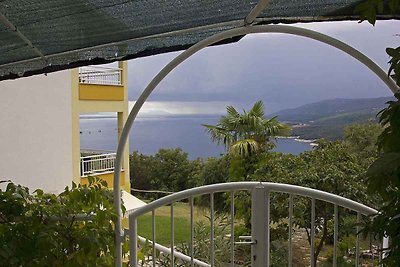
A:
328,118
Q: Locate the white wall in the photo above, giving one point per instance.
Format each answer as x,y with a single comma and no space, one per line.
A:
35,131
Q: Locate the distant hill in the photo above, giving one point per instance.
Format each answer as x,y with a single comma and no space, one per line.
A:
327,118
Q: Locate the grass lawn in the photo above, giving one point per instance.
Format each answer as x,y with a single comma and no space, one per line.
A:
163,223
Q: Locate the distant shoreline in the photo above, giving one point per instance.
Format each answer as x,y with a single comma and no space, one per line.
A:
154,117
312,142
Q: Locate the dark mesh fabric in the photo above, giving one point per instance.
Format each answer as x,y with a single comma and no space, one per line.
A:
80,32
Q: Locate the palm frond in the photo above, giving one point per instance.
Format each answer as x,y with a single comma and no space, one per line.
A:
219,135
245,148
273,127
258,109
232,112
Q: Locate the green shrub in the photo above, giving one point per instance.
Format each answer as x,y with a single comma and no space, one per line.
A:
41,229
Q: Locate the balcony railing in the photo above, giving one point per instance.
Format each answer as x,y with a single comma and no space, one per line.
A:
97,163
100,75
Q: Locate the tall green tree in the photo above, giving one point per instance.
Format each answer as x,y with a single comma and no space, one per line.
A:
330,167
167,170
384,180
384,173
246,133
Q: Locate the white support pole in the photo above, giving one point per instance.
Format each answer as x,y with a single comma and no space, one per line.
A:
290,238
357,260
312,234
260,227
153,237
232,222
172,238
191,231
194,49
133,244
335,235
212,238
385,246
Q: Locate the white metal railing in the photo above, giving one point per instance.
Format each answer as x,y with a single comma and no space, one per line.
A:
260,239
90,151
97,164
100,75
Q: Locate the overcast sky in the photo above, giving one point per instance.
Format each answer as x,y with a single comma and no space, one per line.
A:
284,71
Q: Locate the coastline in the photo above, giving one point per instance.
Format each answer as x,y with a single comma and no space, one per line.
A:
312,142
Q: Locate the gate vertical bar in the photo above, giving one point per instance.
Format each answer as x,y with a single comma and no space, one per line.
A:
172,236
212,239
153,236
357,261
335,235
82,167
260,227
290,255
312,234
290,237
191,231
385,246
133,245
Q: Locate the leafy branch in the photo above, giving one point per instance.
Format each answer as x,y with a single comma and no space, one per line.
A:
384,173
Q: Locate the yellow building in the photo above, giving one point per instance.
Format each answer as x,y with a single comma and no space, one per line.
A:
99,89
40,129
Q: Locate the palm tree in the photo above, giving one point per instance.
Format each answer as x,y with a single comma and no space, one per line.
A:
248,133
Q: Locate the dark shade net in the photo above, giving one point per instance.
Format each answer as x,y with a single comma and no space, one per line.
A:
80,32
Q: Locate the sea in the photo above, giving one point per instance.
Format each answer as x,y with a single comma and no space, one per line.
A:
148,135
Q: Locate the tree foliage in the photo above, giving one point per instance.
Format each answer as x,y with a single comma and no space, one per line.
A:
330,167
41,229
384,173
246,133
168,170
384,179
361,140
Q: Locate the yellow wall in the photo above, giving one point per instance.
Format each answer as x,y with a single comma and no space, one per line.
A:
101,92
122,117
108,177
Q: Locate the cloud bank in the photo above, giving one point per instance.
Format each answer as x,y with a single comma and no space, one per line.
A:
284,71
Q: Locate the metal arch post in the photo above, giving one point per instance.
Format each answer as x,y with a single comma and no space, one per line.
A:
261,5
194,49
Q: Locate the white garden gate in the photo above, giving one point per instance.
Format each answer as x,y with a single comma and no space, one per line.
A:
260,209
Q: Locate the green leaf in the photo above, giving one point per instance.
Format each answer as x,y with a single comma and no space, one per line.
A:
385,171
393,52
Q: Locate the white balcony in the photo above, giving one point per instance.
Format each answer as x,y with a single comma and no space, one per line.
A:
100,75
96,163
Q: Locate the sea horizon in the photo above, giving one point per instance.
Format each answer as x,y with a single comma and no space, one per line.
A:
149,134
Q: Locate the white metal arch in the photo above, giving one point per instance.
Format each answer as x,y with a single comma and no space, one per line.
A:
272,187
194,49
